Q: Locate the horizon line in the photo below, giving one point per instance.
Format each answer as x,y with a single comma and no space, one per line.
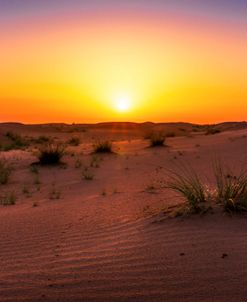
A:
119,122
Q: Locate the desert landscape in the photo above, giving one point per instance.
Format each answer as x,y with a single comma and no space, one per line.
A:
123,151
104,226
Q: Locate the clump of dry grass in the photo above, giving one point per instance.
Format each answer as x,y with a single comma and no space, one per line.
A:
15,141
54,193
87,174
78,163
51,154
211,130
42,139
5,171
8,199
103,147
157,139
188,184
95,161
231,188
74,141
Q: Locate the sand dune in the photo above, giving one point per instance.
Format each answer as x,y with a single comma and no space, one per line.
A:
135,261
87,246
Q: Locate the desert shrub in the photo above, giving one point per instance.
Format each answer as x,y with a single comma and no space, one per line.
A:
5,171
51,154
78,163
231,188
42,139
26,192
103,147
212,130
157,139
16,142
95,161
34,169
187,183
54,193
8,199
87,175
198,128
74,141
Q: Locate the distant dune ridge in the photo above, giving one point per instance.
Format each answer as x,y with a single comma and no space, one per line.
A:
121,125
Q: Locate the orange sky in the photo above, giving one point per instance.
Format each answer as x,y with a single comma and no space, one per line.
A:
167,66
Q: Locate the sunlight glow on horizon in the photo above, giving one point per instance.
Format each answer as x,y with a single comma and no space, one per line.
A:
123,103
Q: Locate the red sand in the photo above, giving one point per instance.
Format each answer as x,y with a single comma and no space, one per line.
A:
89,246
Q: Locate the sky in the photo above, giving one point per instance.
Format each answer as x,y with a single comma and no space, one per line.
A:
133,60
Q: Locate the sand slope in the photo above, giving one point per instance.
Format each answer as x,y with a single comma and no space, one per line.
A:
177,260
87,246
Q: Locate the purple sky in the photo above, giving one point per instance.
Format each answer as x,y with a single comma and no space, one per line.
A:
232,9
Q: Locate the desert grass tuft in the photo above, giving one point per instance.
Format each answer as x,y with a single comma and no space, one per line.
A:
15,142
157,139
54,193
51,154
26,192
8,199
34,169
74,141
78,163
103,147
87,175
211,130
5,171
42,139
188,184
95,160
231,188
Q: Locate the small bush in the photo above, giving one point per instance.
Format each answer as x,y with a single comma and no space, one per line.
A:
36,180
103,147
95,160
42,139
51,154
5,172
74,141
26,192
34,169
54,193
212,131
157,139
187,183
16,142
231,189
78,163
8,199
87,175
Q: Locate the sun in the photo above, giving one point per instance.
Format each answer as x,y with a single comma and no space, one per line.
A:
122,103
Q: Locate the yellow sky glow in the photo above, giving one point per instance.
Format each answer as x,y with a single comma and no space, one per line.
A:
136,68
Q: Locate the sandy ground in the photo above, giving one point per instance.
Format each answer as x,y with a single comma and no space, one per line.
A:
100,240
